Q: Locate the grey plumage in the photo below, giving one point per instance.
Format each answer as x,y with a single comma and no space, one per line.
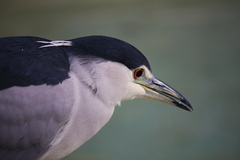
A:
32,125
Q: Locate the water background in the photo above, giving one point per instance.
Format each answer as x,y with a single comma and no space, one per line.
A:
194,46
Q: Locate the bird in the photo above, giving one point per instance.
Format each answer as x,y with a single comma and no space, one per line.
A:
55,95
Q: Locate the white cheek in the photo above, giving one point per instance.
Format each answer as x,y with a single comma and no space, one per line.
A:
134,90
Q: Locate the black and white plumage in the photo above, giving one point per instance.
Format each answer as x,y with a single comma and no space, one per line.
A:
55,95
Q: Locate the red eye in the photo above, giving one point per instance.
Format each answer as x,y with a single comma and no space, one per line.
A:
138,73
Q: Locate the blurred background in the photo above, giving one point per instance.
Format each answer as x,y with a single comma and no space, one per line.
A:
194,46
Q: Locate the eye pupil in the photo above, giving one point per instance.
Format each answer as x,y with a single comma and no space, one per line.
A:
138,73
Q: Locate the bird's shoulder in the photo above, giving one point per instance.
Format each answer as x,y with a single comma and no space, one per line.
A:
24,62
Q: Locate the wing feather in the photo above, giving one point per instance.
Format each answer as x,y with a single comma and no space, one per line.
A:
33,122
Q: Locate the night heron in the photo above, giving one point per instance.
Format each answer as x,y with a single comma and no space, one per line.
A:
55,95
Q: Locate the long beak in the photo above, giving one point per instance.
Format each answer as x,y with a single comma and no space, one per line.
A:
158,90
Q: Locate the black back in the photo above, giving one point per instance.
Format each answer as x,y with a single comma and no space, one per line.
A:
23,63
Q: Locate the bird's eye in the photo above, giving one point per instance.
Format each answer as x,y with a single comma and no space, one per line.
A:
138,73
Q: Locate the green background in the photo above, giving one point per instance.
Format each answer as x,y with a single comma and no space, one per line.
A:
194,46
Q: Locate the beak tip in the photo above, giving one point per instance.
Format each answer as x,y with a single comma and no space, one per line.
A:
187,108
184,104
190,109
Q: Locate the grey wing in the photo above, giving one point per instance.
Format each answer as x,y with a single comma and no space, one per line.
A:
32,117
